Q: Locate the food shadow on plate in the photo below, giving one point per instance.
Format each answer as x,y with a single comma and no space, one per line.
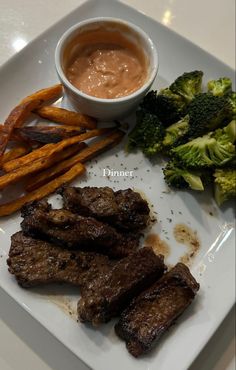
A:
205,200
105,334
159,160
64,296
229,205
59,289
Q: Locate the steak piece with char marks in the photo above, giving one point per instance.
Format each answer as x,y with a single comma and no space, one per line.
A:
110,293
124,209
36,262
156,309
71,231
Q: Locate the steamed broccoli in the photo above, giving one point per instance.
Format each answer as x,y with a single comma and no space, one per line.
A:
168,106
213,149
182,178
207,112
228,132
232,105
175,132
188,85
224,185
147,134
220,87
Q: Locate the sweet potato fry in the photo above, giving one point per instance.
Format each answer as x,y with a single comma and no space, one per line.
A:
16,118
46,134
69,128
49,149
42,163
53,125
66,117
15,205
16,152
43,127
85,155
13,137
47,94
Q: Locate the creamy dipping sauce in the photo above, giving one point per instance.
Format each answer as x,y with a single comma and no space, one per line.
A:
107,69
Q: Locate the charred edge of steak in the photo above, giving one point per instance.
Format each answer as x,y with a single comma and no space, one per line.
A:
124,209
72,231
156,309
107,296
31,207
36,262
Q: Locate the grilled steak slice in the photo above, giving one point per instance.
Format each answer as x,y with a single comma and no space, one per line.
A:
124,209
35,262
155,310
77,232
107,296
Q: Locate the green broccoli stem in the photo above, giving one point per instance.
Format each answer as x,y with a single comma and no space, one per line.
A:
194,181
230,130
175,132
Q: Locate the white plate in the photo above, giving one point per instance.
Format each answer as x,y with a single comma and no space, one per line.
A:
213,267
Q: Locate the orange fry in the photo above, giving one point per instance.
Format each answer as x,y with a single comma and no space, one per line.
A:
42,163
46,134
13,137
68,128
47,94
66,117
16,152
16,118
15,205
85,155
49,149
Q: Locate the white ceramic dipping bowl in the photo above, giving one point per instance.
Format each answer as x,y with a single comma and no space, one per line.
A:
105,109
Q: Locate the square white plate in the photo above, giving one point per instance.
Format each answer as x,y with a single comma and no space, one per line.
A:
32,69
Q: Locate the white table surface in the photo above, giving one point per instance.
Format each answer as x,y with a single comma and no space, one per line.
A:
25,344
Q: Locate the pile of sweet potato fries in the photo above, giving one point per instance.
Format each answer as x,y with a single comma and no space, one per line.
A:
54,155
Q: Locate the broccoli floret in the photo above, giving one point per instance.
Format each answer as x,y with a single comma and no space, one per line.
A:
182,178
175,132
149,102
168,106
207,112
228,132
224,185
188,85
232,105
147,134
213,149
220,87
